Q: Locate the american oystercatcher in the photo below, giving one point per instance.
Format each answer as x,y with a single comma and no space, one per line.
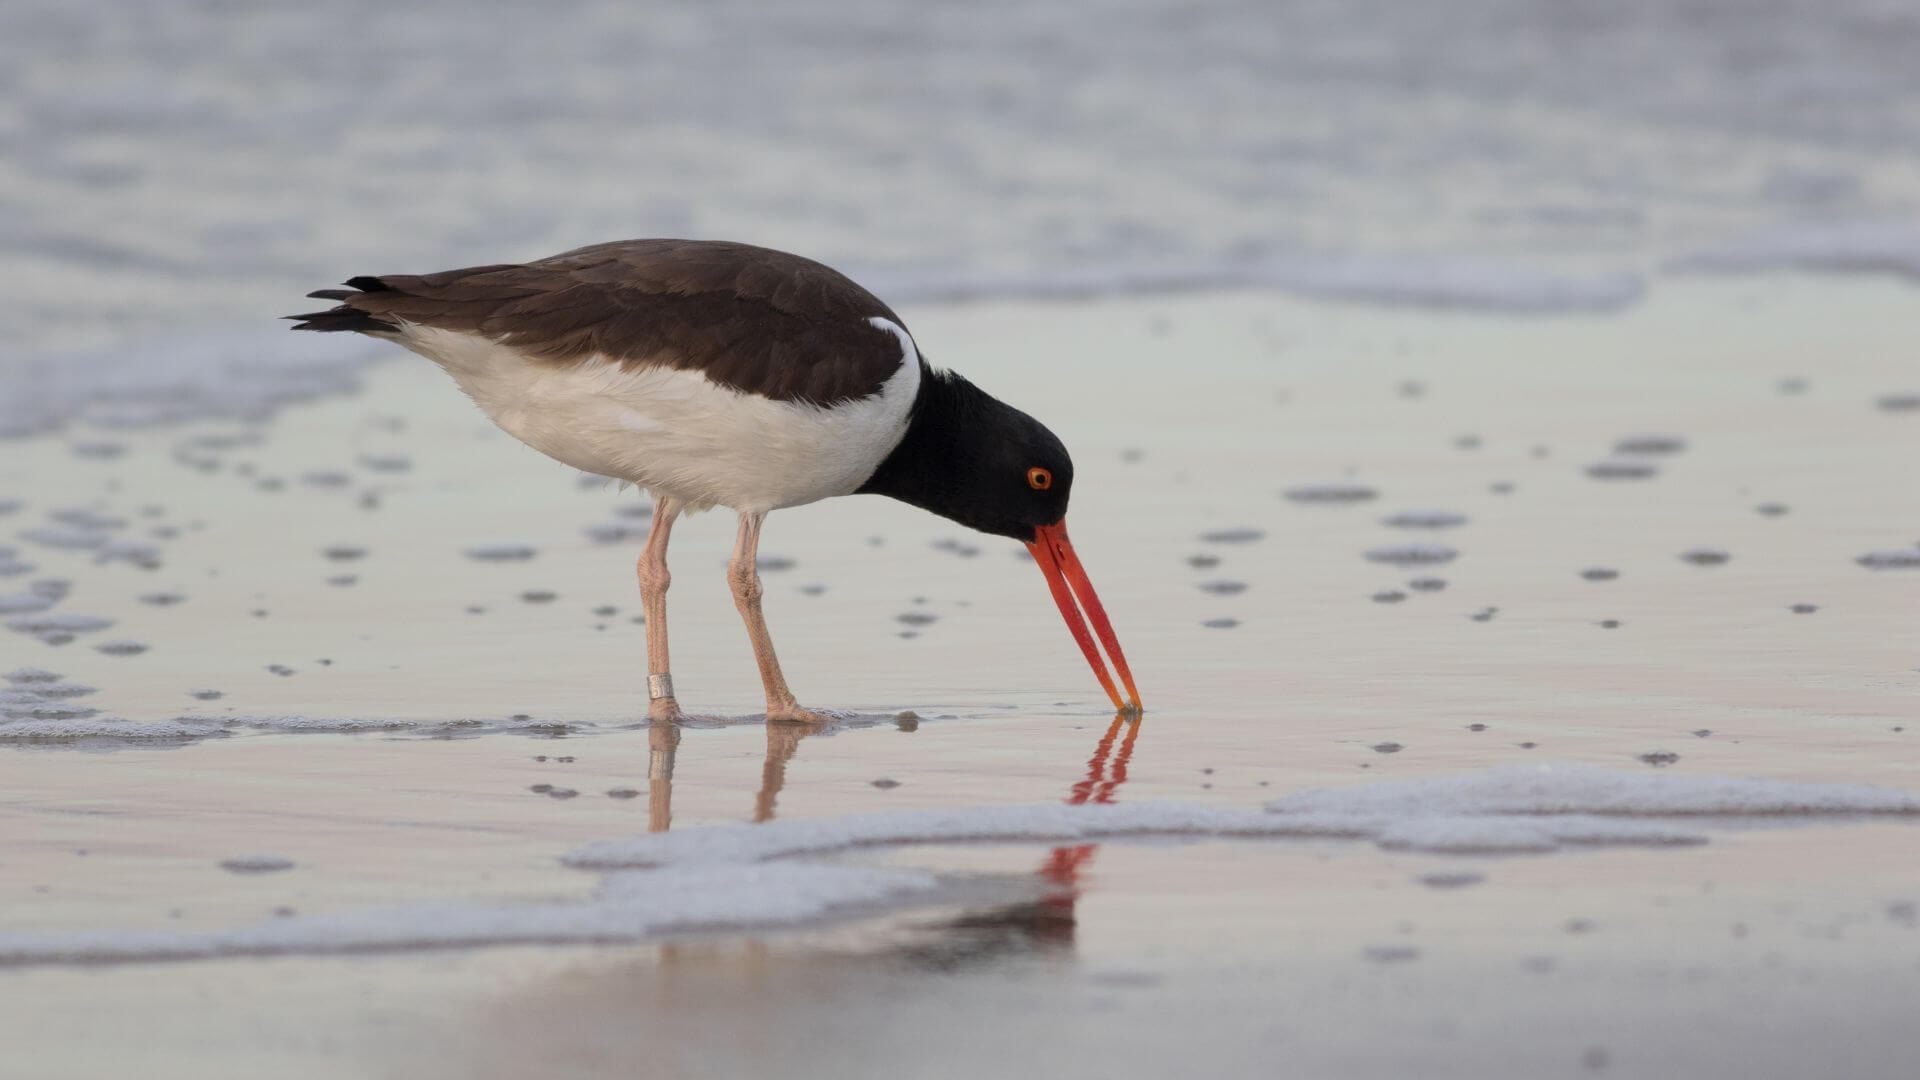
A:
723,374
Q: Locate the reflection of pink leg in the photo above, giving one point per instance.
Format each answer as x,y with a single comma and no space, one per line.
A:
782,741
662,741
743,575
654,580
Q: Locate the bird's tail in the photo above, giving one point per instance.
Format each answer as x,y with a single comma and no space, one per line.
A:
346,316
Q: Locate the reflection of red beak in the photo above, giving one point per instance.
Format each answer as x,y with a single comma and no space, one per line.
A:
1054,553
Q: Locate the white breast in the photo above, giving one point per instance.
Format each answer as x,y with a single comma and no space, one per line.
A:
677,432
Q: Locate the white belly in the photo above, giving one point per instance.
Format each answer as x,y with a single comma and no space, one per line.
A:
677,433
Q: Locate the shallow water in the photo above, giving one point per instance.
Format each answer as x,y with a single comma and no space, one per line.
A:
423,735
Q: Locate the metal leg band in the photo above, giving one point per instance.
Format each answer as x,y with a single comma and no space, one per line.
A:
659,686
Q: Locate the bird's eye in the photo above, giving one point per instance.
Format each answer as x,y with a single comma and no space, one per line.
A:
1039,479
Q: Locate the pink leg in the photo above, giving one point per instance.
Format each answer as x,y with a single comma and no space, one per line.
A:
654,579
743,574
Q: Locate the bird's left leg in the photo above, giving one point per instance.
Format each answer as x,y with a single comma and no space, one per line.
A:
743,574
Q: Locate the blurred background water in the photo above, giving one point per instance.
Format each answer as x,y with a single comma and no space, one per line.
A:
188,164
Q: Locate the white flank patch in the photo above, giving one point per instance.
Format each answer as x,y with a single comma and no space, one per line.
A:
676,432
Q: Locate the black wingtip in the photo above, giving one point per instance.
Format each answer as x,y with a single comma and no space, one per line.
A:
339,319
329,294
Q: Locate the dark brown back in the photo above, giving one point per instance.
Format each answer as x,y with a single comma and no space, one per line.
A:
753,319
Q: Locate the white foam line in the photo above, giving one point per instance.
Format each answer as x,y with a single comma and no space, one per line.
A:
1573,788
1049,822
627,908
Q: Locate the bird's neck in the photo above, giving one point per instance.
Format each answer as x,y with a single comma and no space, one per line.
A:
945,436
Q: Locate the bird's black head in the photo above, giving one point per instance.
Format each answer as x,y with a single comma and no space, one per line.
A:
976,460
989,466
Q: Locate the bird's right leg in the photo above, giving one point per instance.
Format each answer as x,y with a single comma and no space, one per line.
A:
654,579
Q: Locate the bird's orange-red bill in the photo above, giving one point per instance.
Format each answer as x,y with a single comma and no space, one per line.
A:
1067,579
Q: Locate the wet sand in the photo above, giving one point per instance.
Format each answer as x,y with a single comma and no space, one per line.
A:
1765,952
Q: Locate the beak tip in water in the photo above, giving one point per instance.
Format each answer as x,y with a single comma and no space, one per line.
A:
1073,592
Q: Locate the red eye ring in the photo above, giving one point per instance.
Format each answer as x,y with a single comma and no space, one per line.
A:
1039,479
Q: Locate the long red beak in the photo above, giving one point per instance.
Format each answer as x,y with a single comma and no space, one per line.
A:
1068,581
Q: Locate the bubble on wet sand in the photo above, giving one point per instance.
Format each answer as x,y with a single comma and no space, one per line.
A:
539,596
1484,614
31,675
256,864
1804,609
955,547
1223,587
97,449
1330,494
634,510
1412,554
10,505
143,555
1389,596
1650,444
1386,748
1427,584
386,463
774,564
1622,470
1900,402
343,580
1424,519
504,552
1599,573
623,793
1238,535
1658,758
280,669
326,478
1454,880
916,618
614,532
1223,623
1203,561
162,599
884,783
121,647
207,695
65,538
1892,559
814,589
56,628
1390,954
1705,556
344,552
22,603
81,517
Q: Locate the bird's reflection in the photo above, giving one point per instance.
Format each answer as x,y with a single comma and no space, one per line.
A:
663,742
1049,922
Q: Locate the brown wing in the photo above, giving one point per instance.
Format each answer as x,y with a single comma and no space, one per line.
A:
750,318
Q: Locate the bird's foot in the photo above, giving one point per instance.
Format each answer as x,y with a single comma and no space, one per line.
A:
790,712
664,710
